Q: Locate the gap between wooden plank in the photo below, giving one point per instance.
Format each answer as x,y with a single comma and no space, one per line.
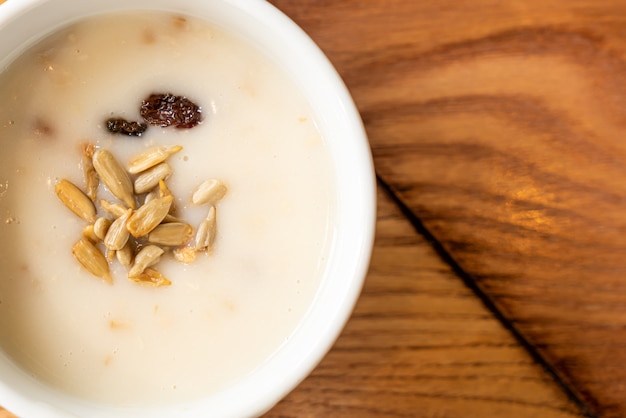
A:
421,229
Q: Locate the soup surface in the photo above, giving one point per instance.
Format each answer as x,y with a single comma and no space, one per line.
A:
226,312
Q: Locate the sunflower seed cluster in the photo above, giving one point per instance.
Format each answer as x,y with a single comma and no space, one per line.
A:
141,226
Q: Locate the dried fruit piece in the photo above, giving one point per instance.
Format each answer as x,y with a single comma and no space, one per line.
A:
89,172
101,226
124,127
171,234
151,278
209,191
150,178
90,257
148,216
205,235
146,257
75,200
166,109
114,176
151,157
117,235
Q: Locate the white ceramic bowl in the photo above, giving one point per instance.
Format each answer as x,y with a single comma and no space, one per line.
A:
22,22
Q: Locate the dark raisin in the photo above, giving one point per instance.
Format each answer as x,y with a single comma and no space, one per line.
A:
124,127
165,109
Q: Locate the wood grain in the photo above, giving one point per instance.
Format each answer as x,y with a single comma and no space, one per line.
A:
502,125
420,344
5,414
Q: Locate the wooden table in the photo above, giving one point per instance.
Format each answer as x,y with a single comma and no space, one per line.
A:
498,282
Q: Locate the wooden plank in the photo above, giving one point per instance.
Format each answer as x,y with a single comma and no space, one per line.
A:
420,343
501,124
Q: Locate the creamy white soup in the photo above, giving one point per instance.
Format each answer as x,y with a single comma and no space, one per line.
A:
224,313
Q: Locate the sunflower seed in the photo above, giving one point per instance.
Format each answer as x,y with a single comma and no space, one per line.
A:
210,191
171,234
148,216
151,157
87,149
89,172
205,236
155,219
101,226
75,200
152,194
151,177
88,232
165,191
117,234
110,254
114,209
185,254
145,258
114,176
150,278
92,259
171,219
126,254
